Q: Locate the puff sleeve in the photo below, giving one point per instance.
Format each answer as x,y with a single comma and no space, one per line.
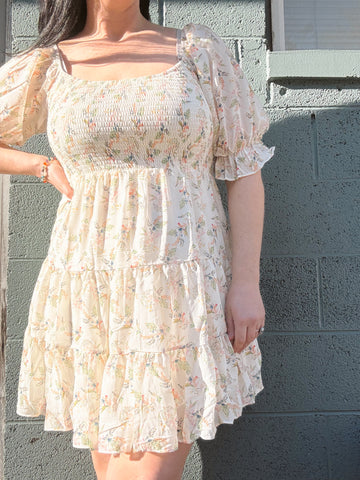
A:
240,118
23,110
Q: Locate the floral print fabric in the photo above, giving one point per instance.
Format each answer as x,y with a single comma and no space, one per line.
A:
126,340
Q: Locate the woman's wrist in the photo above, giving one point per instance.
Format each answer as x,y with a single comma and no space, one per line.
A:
38,161
245,284
245,275
38,166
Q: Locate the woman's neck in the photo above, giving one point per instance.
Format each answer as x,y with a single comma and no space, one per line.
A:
112,20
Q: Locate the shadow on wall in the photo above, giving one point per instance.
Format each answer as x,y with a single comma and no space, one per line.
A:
305,423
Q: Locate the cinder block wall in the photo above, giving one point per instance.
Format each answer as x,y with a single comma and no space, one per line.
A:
305,424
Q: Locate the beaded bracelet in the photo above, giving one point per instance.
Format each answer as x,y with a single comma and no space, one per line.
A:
44,169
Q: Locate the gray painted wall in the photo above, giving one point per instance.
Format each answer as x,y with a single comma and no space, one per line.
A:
305,424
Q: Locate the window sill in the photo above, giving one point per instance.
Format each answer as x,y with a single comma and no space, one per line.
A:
313,64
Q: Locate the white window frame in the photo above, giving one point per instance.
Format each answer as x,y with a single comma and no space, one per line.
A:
278,25
314,63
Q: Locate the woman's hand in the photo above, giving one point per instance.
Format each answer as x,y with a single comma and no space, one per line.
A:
57,177
244,314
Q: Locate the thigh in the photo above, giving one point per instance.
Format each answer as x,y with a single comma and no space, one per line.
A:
100,462
149,465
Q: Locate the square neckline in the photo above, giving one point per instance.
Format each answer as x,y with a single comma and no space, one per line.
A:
179,37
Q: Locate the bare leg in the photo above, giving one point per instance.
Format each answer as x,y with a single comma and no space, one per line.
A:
149,465
100,462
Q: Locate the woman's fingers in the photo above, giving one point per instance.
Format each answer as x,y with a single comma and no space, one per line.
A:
57,177
241,334
244,335
230,325
253,332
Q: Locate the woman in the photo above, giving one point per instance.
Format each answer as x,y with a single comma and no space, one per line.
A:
143,324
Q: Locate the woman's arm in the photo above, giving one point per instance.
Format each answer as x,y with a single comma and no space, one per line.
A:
244,309
16,162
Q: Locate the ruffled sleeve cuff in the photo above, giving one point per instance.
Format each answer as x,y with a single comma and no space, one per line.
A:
248,161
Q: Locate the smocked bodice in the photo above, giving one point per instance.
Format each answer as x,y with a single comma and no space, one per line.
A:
142,122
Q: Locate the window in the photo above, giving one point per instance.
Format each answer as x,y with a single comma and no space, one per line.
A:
316,24
315,39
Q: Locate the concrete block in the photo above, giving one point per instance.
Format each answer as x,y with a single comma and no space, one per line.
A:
12,370
233,45
32,214
311,219
344,451
289,291
24,19
267,448
229,18
253,62
291,134
34,454
22,43
155,11
340,279
315,93
193,466
22,276
338,143
309,372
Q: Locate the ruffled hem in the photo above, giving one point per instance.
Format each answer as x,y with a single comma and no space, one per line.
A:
249,161
139,401
135,358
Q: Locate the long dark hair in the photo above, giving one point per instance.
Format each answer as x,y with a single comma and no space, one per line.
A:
63,19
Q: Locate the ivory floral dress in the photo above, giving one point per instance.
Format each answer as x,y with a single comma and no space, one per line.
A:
126,342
